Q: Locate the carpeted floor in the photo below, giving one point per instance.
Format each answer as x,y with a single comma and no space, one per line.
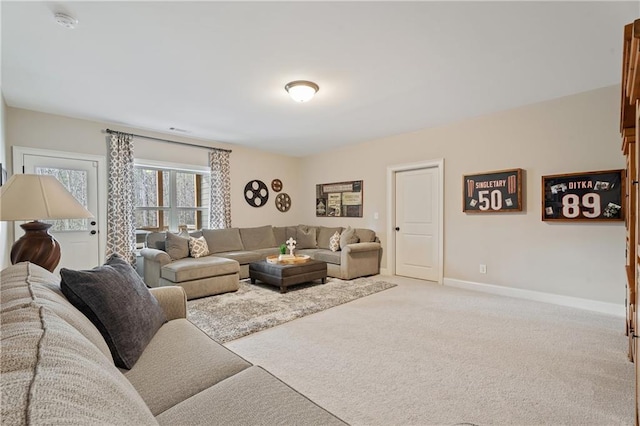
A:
256,307
424,354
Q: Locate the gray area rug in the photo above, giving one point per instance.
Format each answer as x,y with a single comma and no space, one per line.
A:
256,307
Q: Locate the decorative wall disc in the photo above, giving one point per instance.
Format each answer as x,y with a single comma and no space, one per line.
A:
256,193
283,202
276,185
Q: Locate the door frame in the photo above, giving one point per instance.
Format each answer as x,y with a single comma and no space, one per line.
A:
391,210
18,168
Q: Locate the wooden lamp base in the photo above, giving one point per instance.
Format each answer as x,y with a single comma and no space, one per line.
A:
37,246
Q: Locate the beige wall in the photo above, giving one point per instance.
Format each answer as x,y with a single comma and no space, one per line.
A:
46,131
572,134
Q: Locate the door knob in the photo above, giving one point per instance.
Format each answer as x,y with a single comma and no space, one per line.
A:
397,228
93,232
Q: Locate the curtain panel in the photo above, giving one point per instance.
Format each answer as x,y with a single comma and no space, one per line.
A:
220,199
121,238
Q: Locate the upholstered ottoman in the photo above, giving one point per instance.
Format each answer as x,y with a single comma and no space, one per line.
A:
285,275
204,276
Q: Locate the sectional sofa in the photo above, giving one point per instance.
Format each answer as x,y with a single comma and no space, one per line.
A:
166,259
57,368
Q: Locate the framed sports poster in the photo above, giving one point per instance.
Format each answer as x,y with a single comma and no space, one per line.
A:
587,197
492,192
339,199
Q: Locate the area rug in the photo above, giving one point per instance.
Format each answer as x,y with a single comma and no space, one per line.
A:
256,307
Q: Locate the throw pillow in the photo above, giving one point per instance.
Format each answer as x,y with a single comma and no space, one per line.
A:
198,247
306,238
177,247
119,304
365,235
334,242
348,237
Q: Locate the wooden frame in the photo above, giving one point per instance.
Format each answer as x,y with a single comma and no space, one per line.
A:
585,197
340,199
492,192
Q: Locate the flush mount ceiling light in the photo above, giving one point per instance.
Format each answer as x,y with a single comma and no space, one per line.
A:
65,20
301,90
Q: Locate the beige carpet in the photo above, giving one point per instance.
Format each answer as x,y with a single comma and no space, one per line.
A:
423,354
256,307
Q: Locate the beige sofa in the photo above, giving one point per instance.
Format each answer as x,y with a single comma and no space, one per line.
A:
56,368
359,255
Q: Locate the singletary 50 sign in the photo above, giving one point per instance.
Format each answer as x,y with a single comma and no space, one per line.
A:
499,191
589,196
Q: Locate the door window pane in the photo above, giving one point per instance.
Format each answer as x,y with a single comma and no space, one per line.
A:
76,182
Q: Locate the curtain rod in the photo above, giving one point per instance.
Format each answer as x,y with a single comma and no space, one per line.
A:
169,141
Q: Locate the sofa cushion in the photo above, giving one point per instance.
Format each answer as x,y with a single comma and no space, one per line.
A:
306,237
258,238
179,362
221,240
280,234
347,237
26,283
198,247
242,257
325,234
117,301
365,235
251,397
192,269
327,256
51,374
177,247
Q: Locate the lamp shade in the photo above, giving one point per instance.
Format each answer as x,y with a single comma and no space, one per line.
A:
38,197
301,90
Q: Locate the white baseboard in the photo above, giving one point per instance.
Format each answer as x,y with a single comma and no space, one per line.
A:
556,299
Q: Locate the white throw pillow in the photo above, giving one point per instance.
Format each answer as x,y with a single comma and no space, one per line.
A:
334,242
198,247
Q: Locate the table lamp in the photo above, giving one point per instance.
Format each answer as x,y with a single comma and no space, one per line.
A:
35,198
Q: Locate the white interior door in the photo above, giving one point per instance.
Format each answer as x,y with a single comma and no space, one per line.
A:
78,238
417,223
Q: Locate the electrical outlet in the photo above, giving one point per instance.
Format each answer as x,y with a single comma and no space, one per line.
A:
483,268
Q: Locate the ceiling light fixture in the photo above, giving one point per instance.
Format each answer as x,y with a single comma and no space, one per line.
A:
301,90
65,20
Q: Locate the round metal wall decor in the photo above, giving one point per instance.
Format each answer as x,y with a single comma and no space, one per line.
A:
283,202
256,193
276,185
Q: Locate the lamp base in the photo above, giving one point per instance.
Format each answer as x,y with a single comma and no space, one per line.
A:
37,246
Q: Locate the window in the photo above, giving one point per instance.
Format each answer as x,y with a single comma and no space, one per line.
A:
170,198
76,182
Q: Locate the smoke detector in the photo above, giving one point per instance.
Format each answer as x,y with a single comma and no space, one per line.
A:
65,20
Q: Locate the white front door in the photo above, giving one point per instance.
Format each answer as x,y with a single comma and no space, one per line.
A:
417,223
79,239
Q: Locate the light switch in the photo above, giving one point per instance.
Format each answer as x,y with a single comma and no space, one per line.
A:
376,216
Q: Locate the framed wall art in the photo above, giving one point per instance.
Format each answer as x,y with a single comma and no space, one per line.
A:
339,199
492,192
587,196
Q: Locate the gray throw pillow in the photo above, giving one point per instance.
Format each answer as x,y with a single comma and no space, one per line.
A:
119,304
348,236
177,247
306,238
365,235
